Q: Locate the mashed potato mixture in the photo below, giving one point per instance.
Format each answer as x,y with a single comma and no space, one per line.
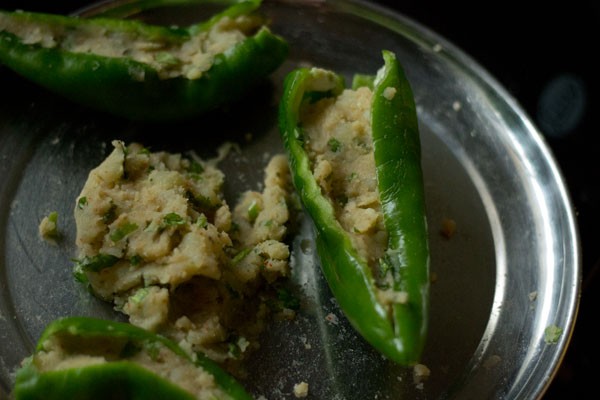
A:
169,54
158,240
338,140
340,146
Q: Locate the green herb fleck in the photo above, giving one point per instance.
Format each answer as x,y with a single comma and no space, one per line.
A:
200,202
334,145
110,215
552,334
253,211
153,350
122,231
49,226
241,255
139,296
167,59
196,168
173,219
79,274
202,221
234,350
82,202
384,268
135,260
95,263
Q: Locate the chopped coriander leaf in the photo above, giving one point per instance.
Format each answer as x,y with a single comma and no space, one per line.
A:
234,350
173,219
552,333
122,231
79,274
196,168
385,267
202,221
95,263
167,59
110,215
200,202
48,227
241,255
135,260
334,145
82,202
139,295
153,350
253,211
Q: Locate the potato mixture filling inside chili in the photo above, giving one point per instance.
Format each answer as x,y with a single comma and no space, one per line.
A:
339,143
172,55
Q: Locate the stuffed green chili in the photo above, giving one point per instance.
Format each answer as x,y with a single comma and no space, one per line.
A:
355,159
87,358
141,71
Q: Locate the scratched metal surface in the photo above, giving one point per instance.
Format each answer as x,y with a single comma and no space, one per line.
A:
485,167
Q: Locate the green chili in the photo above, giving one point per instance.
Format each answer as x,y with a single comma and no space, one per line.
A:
398,330
144,81
109,366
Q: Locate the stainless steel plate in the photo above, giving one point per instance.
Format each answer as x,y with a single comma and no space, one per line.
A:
511,269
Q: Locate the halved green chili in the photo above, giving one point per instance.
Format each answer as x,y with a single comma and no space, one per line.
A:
100,363
398,329
167,79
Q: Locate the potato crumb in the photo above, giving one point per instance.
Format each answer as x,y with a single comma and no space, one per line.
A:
420,373
391,296
533,296
304,341
332,318
301,389
48,227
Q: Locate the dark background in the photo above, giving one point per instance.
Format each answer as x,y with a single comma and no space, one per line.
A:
544,54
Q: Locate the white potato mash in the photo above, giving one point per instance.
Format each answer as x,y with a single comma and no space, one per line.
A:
158,240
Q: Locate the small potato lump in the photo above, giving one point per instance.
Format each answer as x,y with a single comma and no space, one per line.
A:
157,239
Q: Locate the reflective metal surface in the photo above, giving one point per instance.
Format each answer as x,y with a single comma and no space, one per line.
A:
510,270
